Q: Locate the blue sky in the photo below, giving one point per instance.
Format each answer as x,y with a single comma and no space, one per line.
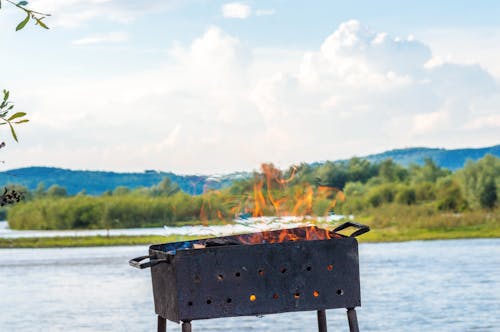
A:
217,86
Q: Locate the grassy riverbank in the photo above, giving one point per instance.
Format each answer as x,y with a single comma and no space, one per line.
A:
392,223
376,235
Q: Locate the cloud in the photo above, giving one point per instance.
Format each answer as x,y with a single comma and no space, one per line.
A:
111,37
242,11
217,105
236,10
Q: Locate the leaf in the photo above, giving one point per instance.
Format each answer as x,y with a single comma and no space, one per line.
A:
39,21
22,121
23,22
5,95
13,132
16,115
22,3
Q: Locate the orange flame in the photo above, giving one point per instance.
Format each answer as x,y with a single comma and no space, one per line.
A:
310,233
301,203
259,199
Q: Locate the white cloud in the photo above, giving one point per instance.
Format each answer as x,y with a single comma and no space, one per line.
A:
111,37
466,45
428,122
236,10
218,106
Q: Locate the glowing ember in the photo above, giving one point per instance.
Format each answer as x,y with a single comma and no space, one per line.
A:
310,233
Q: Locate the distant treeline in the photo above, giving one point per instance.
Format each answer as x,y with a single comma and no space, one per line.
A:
351,187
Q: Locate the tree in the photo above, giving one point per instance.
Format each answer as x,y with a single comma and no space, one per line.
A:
488,196
406,195
165,188
389,171
429,172
121,190
475,176
449,196
57,191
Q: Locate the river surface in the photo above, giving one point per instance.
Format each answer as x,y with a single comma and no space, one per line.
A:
449,285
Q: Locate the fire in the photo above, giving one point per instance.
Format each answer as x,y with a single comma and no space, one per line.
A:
272,192
310,233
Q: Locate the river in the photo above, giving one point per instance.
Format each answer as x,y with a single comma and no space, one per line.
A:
449,285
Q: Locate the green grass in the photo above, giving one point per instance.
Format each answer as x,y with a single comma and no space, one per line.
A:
393,222
398,235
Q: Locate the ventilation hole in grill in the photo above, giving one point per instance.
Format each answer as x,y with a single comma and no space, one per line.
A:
253,298
229,300
190,303
315,293
308,268
329,267
340,291
220,277
237,274
209,301
276,296
283,270
261,272
296,295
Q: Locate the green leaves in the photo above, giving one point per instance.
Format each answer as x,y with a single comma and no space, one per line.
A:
6,119
16,115
40,23
30,14
13,132
23,22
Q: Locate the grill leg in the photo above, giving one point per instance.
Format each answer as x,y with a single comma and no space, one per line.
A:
321,320
353,320
186,326
162,324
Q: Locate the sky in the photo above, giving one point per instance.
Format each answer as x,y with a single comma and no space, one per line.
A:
204,87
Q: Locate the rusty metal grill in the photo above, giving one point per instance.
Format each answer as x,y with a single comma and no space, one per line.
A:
222,277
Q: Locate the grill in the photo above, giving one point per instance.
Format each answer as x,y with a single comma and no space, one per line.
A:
299,269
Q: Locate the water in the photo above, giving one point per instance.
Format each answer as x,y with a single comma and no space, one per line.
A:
414,286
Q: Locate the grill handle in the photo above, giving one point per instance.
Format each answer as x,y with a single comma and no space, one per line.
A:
136,262
362,229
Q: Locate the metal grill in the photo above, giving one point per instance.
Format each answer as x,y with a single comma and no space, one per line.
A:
223,277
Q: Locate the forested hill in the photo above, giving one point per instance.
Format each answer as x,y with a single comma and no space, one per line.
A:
451,159
97,182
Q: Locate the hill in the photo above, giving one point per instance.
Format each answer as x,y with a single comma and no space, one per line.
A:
451,159
97,182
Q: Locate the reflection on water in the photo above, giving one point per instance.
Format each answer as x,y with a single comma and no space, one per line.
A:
412,286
